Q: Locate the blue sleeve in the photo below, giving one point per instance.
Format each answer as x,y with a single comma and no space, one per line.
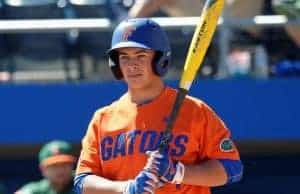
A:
78,182
234,170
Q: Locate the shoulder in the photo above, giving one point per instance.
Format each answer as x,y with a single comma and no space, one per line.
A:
199,108
117,105
34,187
192,105
197,103
106,109
101,111
189,101
192,100
113,105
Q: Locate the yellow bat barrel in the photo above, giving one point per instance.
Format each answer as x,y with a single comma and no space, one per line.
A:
201,39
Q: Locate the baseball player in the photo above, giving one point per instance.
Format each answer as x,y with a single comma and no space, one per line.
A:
120,148
56,164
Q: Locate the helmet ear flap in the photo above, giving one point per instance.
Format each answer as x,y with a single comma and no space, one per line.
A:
114,64
161,63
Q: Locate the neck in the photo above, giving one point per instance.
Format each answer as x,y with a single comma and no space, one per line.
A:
59,187
141,95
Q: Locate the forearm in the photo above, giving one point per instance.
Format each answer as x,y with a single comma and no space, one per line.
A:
93,184
144,8
294,33
209,173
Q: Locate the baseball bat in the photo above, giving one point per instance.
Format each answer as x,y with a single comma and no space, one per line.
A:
202,36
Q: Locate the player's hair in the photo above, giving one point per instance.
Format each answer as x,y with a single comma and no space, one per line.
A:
140,33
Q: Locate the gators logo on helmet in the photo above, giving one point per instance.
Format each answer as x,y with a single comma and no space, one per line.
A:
128,32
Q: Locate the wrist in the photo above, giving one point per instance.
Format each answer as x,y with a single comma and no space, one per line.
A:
179,175
124,188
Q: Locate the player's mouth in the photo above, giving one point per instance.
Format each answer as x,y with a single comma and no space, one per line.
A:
135,75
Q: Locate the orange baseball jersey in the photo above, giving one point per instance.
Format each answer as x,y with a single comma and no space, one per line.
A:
119,135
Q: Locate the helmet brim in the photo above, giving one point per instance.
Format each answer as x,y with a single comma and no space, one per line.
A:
129,44
58,159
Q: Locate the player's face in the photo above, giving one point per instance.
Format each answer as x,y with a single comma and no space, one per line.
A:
59,174
136,67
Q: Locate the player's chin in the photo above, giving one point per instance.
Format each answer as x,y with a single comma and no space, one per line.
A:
62,179
135,85
136,82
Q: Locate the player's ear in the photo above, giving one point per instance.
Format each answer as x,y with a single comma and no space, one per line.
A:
42,169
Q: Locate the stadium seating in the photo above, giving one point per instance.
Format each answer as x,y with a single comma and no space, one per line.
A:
180,39
3,62
120,8
41,52
90,8
91,46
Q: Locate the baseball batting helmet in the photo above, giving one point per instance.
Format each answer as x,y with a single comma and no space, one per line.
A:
56,151
141,33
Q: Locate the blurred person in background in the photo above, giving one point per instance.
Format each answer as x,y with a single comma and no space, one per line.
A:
237,57
290,8
234,9
56,163
3,189
192,8
289,36
284,48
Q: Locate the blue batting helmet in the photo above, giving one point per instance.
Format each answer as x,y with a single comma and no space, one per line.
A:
141,33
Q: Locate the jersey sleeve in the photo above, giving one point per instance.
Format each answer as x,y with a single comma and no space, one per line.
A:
24,190
31,188
216,140
89,161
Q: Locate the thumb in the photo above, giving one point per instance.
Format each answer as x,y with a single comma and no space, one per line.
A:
148,153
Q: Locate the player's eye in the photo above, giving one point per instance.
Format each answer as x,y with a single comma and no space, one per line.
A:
142,56
123,58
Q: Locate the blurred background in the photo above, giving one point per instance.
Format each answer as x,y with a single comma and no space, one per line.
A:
54,74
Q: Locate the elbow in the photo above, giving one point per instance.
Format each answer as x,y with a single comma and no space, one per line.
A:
234,170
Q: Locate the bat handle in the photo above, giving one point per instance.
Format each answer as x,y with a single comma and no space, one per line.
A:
175,110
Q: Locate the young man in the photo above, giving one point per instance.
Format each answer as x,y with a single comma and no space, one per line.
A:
56,165
120,149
